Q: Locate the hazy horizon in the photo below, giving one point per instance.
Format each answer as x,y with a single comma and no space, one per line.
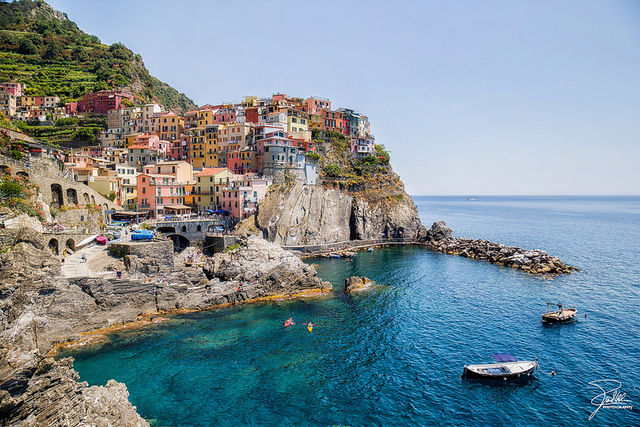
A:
471,98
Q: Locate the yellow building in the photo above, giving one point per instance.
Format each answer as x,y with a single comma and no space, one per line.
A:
209,183
168,126
211,146
197,148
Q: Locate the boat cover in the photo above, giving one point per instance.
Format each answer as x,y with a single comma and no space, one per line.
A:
504,357
498,371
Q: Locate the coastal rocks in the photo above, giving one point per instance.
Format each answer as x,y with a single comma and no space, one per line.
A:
49,393
438,232
387,219
305,215
264,269
314,215
356,284
439,238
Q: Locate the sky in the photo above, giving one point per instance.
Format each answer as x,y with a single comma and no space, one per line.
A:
470,97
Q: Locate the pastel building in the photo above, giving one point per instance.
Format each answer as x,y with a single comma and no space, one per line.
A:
208,184
363,146
14,89
241,198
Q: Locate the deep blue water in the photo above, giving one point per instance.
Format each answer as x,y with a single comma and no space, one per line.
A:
394,356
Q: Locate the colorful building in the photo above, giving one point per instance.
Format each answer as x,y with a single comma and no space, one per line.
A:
208,184
14,89
103,102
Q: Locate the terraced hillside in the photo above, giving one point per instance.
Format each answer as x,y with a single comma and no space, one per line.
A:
42,48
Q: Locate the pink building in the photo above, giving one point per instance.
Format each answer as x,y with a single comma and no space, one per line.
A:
362,147
103,102
160,194
13,88
241,198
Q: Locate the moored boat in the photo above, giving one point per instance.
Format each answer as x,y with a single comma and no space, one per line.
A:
506,368
563,315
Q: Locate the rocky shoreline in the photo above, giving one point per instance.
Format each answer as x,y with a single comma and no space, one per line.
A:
42,311
439,238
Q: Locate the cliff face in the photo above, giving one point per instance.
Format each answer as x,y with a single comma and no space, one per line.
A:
304,215
312,215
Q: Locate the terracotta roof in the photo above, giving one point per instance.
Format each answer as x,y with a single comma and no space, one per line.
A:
210,171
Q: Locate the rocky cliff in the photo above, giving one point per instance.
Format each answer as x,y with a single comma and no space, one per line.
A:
301,215
39,309
355,199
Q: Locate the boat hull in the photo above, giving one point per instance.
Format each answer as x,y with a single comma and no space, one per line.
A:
561,316
501,371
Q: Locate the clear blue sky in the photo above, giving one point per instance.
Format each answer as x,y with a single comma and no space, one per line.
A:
471,97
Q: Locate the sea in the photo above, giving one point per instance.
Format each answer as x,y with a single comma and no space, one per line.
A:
394,355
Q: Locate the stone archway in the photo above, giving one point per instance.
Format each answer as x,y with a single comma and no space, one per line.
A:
56,196
72,196
24,175
179,242
53,245
105,207
93,199
86,197
166,230
71,245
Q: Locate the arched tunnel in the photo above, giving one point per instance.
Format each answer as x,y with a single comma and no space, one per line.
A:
179,242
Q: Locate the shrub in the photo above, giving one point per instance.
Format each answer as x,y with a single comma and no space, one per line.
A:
11,189
332,170
370,160
313,156
383,155
16,154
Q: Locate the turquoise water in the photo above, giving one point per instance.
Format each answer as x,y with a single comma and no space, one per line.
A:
394,355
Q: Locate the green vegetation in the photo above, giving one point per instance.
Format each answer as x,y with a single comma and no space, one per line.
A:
231,248
332,170
16,154
52,56
313,156
383,156
10,189
66,130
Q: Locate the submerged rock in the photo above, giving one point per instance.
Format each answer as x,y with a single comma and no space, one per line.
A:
356,284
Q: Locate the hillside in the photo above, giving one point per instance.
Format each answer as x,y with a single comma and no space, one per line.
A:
42,48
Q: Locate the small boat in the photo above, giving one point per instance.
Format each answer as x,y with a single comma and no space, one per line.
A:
289,322
562,315
336,256
370,250
101,240
309,326
507,368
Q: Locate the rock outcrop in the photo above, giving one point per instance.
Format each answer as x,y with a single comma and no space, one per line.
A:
262,269
439,238
356,284
312,215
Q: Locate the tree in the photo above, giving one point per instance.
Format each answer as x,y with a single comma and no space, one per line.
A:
53,51
27,47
